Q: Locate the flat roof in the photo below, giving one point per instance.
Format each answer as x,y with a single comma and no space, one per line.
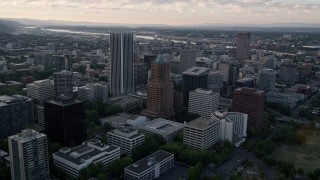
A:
64,102
126,132
161,126
79,154
149,161
251,90
196,71
201,123
5,100
120,118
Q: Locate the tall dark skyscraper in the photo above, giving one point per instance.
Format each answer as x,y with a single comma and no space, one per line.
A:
243,46
160,89
122,59
193,78
65,121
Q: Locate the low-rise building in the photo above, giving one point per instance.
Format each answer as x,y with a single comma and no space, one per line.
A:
150,167
126,139
166,129
282,98
124,120
73,160
126,103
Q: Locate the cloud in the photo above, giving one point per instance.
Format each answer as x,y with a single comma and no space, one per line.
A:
180,6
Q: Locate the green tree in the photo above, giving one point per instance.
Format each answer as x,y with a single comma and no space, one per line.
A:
117,167
194,173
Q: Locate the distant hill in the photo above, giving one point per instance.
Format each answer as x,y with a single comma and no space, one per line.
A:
7,26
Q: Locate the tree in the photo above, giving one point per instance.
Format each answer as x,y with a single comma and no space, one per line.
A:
117,167
92,116
5,172
102,177
194,173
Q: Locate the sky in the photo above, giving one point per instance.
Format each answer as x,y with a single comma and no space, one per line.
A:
170,12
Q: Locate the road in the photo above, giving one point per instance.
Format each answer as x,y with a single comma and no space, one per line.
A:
242,154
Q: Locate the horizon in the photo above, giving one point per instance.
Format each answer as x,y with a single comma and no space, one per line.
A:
166,12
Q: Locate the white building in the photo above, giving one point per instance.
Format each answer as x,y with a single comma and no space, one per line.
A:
94,92
126,139
166,129
29,155
226,126
42,90
203,102
240,122
201,133
72,161
151,167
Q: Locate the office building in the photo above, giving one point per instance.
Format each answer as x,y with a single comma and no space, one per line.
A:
160,90
289,73
251,102
15,113
29,155
126,103
240,121
42,90
94,92
166,129
140,76
187,59
201,133
148,59
203,102
245,82
215,81
266,80
284,99
150,167
126,139
73,160
230,71
121,49
63,83
65,121
243,46
193,78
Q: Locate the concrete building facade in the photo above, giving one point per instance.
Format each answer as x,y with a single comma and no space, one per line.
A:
29,155
126,139
203,102
73,160
151,167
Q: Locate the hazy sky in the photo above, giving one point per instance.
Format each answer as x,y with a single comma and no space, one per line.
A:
173,12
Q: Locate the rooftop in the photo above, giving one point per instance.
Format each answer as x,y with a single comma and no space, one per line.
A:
89,149
126,132
161,126
162,59
249,90
196,71
120,118
201,123
27,135
205,91
64,101
5,100
149,161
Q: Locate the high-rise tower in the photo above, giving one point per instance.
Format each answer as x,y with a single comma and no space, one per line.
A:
243,46
29,155
121,49
160,89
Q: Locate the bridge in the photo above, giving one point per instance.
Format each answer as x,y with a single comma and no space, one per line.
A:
195,34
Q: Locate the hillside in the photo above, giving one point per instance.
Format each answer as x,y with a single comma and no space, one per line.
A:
9,26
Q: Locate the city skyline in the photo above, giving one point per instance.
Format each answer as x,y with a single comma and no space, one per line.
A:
169,12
